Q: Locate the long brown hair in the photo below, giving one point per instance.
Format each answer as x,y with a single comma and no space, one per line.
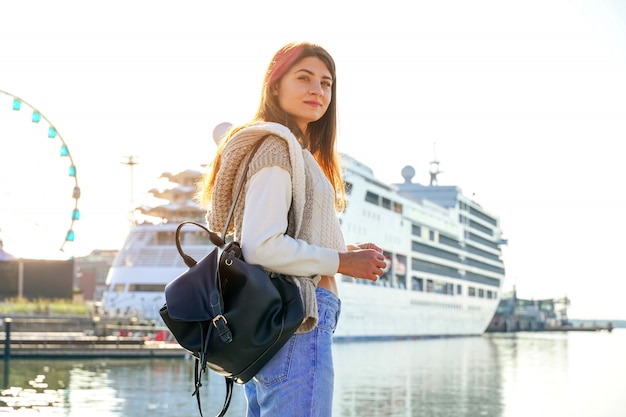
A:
320,136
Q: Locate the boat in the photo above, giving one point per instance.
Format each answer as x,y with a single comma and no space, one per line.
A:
443,250
444,263
515,314
149,259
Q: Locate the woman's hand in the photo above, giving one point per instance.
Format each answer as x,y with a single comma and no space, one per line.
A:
364,260
368,245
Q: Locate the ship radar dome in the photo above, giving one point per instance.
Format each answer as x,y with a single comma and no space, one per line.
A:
408,172
220,131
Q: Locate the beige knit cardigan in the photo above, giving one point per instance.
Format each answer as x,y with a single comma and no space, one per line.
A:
281,149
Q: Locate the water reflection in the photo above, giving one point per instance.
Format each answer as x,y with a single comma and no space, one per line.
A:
532,366
519,375
145,387
439,377
563,374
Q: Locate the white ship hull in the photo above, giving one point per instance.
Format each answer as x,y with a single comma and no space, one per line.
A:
369,312
125,302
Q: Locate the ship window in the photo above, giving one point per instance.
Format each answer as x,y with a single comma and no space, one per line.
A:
478,226
417,284
164,238
384,281
481,293
482,253
483,216
448,241
483,241
429,250
386,203
370,197
397,207
119,288
431,235
471,291
440,287
459,289
416,230
348,187
146,287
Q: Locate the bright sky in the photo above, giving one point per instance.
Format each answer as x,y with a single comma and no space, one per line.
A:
523,102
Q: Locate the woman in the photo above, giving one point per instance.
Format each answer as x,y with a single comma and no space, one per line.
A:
286,221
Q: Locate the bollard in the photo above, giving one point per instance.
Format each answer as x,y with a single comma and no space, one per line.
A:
7,351
7,338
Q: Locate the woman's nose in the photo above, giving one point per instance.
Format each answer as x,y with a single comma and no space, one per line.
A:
316,89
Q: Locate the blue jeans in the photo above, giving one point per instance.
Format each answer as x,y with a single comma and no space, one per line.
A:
298,381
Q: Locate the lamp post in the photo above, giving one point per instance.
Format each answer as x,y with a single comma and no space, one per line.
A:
131,161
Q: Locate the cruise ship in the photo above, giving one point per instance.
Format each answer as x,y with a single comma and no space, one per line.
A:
445,269
444,275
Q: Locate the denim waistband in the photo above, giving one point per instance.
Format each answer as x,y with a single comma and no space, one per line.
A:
327,297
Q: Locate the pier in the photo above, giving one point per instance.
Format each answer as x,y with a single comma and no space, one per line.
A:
101,340
65,345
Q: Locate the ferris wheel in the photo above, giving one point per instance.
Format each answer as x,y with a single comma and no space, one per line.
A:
39,189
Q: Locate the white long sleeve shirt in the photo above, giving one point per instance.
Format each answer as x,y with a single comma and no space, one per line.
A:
263,234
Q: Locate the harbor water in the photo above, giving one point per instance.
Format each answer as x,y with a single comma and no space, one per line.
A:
575,374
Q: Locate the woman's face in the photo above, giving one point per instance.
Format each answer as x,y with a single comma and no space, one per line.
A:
305,92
